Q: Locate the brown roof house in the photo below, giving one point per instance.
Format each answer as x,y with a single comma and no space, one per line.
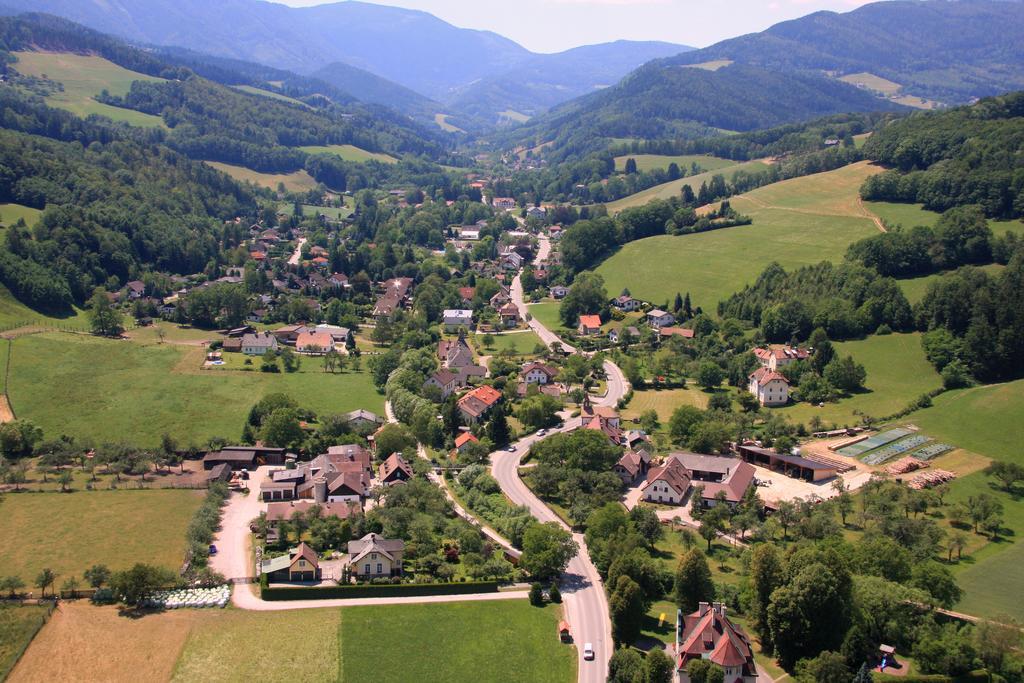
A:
394,470
301,564
667,484
632,466
477,403
373,557
708,634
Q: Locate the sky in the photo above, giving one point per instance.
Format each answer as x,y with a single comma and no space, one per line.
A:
555,25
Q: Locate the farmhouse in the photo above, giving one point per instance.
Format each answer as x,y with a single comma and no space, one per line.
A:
394,470
372,556
658,318
770,387
509,315
667,484
500,298
313,343
537,373
301,564
258,344
717,474
626,303
589,325
463,440
445,380
558,292
454,318
632,465
362,419
340,475
708,634
780,357
477,403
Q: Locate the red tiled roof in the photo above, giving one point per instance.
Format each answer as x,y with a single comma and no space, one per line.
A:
464,438
590,321
763,375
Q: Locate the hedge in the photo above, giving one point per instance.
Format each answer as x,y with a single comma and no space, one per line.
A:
378,590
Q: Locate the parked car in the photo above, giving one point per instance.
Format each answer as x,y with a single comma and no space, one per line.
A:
588,651
213,549
541,432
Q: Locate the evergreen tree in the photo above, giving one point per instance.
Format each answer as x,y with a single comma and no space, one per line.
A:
497,427
677,305
693,581
626,609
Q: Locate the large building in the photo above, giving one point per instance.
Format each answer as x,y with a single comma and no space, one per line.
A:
708,634
718,476
770,388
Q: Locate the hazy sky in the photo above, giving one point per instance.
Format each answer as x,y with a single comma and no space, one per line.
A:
554,25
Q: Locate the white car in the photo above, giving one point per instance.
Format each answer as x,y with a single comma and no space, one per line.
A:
511,448
588,651
541,432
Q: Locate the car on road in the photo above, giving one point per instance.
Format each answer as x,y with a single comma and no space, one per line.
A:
541,432
588,651
511,448
213,549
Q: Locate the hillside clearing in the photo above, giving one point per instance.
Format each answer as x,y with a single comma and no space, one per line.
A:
442,122
512,115
350,153
915,288
14,314
910,215
271,94
713,65
649,162
797,222
298,181
11,213
872,82
70,532
674,187
84,77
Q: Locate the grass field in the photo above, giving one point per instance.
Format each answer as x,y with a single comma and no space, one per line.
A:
13,313
10,213
910,215
478,642
649,162
120,391
17,626
674,187
84,77
513,115
271,94
547,313
872,82
664,402
713,65
71,532
239,645
299,181
796,222
517,343
898,372
350,153
335,212
442,122
915,288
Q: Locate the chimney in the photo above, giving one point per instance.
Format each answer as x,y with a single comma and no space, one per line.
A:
702,608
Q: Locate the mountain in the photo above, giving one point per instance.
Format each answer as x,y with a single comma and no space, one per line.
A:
369,87
546,80
803,69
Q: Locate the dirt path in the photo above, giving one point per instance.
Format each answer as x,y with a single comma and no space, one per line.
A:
868,214
6,412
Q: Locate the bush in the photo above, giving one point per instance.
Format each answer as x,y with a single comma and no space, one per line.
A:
554,594
536,595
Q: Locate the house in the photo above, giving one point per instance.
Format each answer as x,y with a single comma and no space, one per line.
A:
314,343
500,298
632,466
558,292
258,344
445,380
673,331
340,335
659,318
466,294
779,357
589,325
476,404
717,474
708,634
770,387
361,419
668,483
510,260
509,315
463,440
626,303
243,457
454,318
338,476
283,511
301,564
136,290
503,203
626,335
537,373
538,212
338,281
373,557
287,334
230,345
455,355
394,470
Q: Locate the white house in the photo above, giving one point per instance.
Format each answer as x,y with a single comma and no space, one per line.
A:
626,303
780,357
667,484
454,318
771,388
659,318
258,344
537,373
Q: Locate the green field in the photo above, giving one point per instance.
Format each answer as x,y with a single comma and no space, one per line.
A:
121,391
915,288
649,162
898,373
664,402
513,115
910,215
350,153
334,212
17,627
10,213
84,77
797,222
442,122
713,65
239,645
547,314
448,643
674,187
299,181
872,82
13,313
516,343
70,532
271,94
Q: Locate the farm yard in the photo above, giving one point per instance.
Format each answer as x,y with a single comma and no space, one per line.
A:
70,532
299,181
796,222
169,392
84,77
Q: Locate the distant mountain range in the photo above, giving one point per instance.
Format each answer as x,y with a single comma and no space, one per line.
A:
881,56
479,73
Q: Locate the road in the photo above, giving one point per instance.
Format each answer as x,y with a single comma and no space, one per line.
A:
293,260
516,293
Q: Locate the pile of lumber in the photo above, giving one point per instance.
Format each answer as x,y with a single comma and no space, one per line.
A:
926,480
904,465
840,465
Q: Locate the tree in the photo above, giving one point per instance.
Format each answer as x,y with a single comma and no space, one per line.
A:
846,374
536,595
282,429
843,499
996,641
97,575
626,609
812,612
938,582
983,508
394,438
693,581
18,438
683,421
65,479
657,667
547,549
497,425
45,579
828,667
133,586
710,375
712,523
1009,474
70,586
12,584
626,666
863,674
103,317
630,166
488,340
588,296
554,594
539,411
766,574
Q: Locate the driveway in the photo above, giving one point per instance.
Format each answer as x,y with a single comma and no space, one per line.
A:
234,557
293,260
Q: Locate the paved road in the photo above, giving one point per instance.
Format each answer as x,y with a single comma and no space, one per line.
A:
293,260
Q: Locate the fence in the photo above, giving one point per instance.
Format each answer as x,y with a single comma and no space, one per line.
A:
378,590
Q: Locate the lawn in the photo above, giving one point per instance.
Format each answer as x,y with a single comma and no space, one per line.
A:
17,627
452,642
115,390
13,313
299,181
649,162
84,77
664,402
238,645
10,213
70,532
872,82
898,373
674,187
796,222
547,314
333,212
516,343
350,153
271,94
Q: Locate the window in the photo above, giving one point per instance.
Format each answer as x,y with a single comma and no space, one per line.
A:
380,568
366,569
